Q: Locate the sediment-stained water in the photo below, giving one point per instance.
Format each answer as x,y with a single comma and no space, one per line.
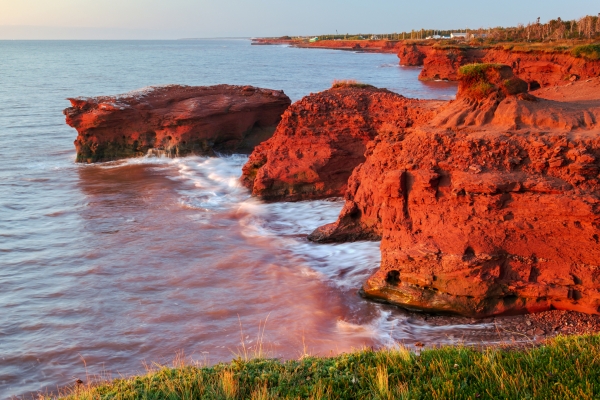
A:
106,267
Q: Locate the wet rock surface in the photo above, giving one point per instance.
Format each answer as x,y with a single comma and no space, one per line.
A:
508,331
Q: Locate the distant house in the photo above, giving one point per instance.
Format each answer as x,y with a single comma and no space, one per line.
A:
315,39
458,35
433,37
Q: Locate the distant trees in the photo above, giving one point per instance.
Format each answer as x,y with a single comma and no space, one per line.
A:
587,27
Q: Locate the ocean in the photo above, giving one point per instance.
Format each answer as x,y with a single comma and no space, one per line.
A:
110,268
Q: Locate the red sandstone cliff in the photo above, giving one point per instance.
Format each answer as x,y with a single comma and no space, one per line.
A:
174,119
322,138
536,67
483,216
375,46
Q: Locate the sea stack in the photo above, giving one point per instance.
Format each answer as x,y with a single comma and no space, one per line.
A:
174,120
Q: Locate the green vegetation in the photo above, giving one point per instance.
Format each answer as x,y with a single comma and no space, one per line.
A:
564,368
589,51
477,71
584,28
477,81
350,83
481,89
451,45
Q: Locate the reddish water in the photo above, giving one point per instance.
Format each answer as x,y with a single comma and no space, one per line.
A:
172,255
113,265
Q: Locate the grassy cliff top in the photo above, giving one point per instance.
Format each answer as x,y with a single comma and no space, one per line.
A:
563,368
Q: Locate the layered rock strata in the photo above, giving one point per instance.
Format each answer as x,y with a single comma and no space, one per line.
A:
538,68
175,120
484,216
323,137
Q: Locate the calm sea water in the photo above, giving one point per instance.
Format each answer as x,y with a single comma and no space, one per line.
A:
106,267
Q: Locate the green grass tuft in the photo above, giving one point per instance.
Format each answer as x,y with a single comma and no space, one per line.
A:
589,51
481,89
564,368
350,83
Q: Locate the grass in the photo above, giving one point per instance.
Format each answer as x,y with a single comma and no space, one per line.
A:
477,71
589,51
452,46
481,89
563,368
349,83
577,49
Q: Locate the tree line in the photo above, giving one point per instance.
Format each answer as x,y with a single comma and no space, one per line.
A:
587,27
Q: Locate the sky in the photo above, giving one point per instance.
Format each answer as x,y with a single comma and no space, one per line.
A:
175,19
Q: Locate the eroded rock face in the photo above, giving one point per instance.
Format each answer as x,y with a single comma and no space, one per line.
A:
541,69
484,216
411,55
482,223
537,68
323,137
175,120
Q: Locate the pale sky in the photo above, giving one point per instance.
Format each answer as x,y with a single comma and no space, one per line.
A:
173,19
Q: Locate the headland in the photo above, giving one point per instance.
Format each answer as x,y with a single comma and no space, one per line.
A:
486,206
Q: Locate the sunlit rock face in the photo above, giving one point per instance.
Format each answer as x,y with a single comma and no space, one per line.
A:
538,68
175,120
323,137
490,207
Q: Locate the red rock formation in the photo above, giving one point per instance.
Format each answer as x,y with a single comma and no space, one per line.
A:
375,46
411,54
322,138
443,64
178,120
536,67
541,69
483,216
378,46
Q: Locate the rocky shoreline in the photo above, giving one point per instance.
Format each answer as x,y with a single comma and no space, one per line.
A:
512,331
486,205
538,65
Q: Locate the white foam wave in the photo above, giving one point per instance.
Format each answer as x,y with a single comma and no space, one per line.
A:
342,266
